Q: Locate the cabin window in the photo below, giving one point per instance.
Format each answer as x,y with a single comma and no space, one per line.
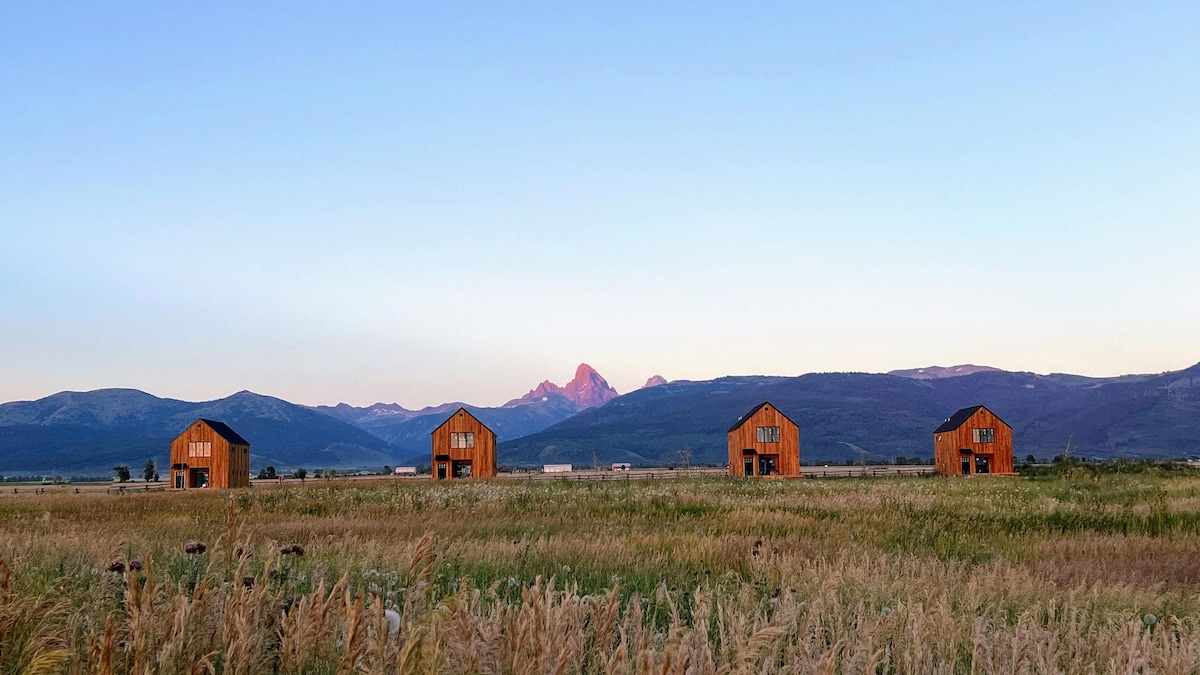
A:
768,434
984,435
462,439
200,449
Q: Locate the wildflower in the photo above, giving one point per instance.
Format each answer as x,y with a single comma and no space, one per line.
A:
117,565
292,549
136,564
393,622
243,554
194,547
247,581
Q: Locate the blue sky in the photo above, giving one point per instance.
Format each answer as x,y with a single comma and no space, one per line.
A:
362,201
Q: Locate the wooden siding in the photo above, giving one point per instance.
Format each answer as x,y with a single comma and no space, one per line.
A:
745,437
482,456
949,446
228,465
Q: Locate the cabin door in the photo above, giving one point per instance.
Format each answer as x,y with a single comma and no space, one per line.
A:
766,465
748,465
178,480
441,471
966,466
982,464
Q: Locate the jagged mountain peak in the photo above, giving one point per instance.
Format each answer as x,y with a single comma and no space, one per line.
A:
587,389
655,381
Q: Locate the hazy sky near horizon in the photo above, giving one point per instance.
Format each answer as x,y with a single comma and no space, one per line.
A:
422,202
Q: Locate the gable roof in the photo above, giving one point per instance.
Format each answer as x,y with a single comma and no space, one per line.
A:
959,418
225,432
455,414
744,418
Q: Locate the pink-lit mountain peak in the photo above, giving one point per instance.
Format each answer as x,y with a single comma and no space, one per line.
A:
587,390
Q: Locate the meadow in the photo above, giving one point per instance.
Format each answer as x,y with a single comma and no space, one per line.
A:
1082,571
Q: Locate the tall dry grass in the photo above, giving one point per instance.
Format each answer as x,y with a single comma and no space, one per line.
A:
706,576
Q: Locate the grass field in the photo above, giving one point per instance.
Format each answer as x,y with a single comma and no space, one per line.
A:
1081,572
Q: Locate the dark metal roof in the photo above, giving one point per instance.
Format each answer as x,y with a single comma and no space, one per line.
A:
760,406
225,432
959,418
461,410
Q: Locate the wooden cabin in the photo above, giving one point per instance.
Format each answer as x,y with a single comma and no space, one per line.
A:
973,441
764,442
208,454
463,447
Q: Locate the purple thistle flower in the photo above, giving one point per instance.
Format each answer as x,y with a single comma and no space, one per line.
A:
117,565
136,564
194,547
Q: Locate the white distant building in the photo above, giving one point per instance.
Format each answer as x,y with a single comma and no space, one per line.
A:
621,466
406,471
556,468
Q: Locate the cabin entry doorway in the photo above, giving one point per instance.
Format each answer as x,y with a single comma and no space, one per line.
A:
748,463
767,465
462,468
178,480
199,478
441,471
966,465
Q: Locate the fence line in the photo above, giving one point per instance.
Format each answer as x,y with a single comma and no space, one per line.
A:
658,474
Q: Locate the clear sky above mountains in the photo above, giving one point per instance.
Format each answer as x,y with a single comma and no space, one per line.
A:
360,202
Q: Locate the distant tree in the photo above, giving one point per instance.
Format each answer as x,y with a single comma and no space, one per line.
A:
155,476
122,471
330,473
387,470
1030,459
301,473
270,471
262,474
901,460
148,472
685,457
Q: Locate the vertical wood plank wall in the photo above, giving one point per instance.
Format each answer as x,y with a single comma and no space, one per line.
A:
482,456
228,467
947,446
745,437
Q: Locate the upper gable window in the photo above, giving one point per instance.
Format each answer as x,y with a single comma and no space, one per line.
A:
767,434
983,435
200,449
464,439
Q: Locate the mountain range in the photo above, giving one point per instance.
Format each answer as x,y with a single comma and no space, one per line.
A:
841,416
80,432
882,416
546,404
